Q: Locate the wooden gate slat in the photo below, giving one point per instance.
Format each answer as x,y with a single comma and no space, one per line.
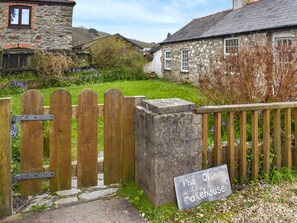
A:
113,136
130,104
204,141
5,158
243,162
217,139
295,147
31,141
266,141
288,139
231,151
277,139
87,138
255,146
60,140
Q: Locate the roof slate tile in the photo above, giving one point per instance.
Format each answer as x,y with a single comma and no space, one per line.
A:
261,15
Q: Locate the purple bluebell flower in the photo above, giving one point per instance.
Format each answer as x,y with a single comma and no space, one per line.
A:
19,84
14,130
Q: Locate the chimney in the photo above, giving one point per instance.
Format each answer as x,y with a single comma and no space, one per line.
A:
240,3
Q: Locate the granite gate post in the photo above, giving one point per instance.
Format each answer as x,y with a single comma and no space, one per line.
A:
168,143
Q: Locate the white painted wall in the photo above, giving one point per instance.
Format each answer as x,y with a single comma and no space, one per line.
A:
155,65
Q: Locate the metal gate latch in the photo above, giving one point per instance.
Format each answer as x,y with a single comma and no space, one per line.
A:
16,118
32,176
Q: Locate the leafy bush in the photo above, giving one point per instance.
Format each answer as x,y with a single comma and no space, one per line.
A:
253,75
113,53
51,65
13,87
120,74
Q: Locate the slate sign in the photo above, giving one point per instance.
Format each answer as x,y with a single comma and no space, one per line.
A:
202,186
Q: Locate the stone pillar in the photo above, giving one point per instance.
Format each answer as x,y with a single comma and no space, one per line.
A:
168,143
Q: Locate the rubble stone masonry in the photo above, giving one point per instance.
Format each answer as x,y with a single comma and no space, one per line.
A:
202,52
51,28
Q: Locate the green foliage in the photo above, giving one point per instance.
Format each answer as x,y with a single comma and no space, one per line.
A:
140,201
277,177
206,212
93,31
113,53
38,208
26,75
120,74
46,139
12,87
15,145
13,83
285,174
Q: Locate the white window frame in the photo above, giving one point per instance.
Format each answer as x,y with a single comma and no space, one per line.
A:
225,44
184,62
167,59
281,36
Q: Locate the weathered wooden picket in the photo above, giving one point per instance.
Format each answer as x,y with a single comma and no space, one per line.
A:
118,113
286,157
5,158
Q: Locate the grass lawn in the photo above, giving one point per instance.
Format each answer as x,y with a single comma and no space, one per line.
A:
151,89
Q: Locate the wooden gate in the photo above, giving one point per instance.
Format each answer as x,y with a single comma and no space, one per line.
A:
118,113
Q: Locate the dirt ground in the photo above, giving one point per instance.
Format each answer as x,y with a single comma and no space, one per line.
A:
116,210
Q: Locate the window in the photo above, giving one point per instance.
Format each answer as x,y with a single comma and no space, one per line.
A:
231,46
185,60
282,45
168,60
19,16
282,41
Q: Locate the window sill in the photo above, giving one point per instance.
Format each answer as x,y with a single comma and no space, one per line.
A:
167,69
184,71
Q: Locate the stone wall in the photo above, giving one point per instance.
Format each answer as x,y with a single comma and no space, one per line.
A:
51,28
201,52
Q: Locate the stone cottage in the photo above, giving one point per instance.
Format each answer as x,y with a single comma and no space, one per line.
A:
34,24
187,53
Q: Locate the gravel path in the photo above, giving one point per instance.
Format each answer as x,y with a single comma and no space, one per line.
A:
265,203
258,203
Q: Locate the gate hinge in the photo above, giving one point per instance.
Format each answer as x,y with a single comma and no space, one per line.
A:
32,176
16,118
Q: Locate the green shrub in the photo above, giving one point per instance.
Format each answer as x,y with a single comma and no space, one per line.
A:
113,53
120,74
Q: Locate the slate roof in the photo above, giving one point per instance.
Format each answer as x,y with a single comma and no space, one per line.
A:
257,16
